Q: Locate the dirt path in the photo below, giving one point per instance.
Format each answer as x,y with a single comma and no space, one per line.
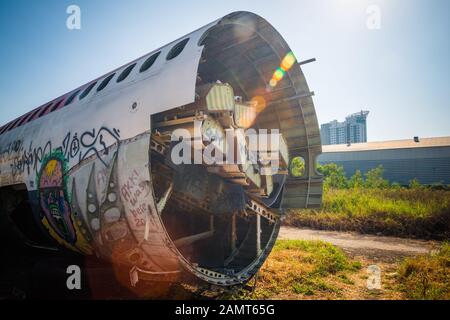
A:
370,246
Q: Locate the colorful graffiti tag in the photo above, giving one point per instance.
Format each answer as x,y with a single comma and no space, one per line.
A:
57,215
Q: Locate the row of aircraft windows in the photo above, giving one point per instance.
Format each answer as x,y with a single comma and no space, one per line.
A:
37,113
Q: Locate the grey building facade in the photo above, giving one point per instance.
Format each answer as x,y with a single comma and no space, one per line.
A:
352,130
427,160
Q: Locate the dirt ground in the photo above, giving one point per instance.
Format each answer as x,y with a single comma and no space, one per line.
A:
378,248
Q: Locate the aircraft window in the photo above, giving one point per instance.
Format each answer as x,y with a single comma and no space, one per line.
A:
125,73
32,115
56,106
105,82
43,110
13,124
23,119
297,167
7,127
149,62
70,99
87,90
177,49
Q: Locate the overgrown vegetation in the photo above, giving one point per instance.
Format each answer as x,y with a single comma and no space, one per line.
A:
427,277
301,269
335,178
369,204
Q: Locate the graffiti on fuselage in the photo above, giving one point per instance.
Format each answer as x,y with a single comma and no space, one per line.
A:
90,140
10,148
53,197
63,224
72,147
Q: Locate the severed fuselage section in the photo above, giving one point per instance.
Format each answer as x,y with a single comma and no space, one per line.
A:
214,175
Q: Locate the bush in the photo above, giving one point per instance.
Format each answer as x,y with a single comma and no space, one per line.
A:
334,176
414,184
374,178
356,181
396,186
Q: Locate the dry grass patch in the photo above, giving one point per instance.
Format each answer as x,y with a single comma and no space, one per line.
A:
298,269
427,277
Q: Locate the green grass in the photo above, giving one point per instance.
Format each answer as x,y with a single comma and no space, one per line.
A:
326,258
427,277
418,212
298,268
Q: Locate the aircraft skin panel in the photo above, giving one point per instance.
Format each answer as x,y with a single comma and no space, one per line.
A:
168,84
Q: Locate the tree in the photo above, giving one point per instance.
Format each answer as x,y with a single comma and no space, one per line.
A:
334,175
414,184
396,185
356,181
374,178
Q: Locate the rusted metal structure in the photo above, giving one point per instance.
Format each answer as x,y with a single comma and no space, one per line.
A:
95,165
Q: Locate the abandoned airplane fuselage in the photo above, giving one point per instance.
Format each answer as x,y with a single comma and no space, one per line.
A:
98,166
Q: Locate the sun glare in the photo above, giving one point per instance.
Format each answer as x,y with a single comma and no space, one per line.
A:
286,64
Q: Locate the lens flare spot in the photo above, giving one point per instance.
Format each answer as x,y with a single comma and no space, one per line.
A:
286,64
279,74
288,61
273,83
259,103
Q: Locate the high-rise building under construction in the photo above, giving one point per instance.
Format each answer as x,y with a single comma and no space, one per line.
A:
352,130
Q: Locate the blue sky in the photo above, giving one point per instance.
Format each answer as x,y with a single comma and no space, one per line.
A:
401,72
